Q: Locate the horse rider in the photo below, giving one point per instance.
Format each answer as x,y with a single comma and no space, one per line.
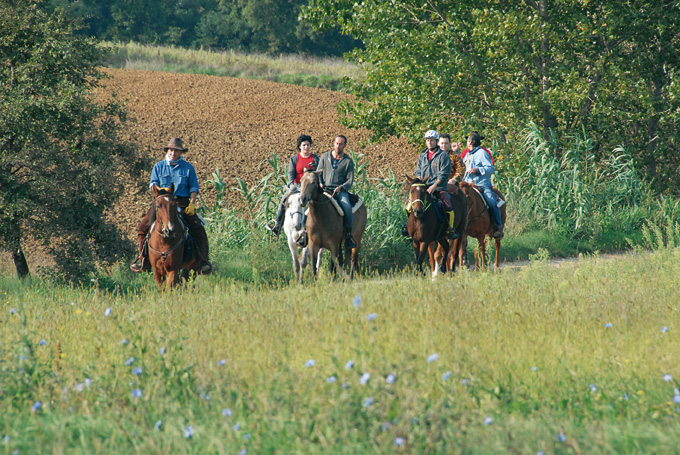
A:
337,176
479,168
174,169
435,164
453,149
305,159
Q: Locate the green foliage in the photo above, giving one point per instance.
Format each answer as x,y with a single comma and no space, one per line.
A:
609,68
62,165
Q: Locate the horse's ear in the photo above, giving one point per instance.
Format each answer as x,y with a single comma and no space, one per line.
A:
410,180
172,188
154,190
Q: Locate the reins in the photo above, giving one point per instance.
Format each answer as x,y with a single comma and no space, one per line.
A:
486,207
165,254
426,205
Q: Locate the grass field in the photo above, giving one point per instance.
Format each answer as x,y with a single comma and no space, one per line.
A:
580,358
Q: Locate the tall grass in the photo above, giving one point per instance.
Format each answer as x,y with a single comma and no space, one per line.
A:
566,360
327,73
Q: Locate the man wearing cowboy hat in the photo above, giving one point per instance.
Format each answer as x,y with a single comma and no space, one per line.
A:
174,169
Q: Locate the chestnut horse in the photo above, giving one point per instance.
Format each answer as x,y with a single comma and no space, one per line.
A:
460,220
480,225
167,241
424,226
324,226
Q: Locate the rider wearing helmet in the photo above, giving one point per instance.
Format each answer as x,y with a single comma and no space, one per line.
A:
435,165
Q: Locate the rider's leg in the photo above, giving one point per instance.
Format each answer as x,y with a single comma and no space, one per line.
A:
347,219
448,209
280,213
197,231
493,209
142,231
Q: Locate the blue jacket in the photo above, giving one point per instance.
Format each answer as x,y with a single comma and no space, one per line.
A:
437,169
479,158
183,175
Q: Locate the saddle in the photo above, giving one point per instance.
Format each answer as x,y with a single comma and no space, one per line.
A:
354,200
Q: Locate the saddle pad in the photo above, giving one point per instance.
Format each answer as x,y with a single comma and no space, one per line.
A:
358,203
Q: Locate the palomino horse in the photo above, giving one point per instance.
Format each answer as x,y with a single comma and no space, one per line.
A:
324,225
480,225
293,227
167,241
425,226
456,247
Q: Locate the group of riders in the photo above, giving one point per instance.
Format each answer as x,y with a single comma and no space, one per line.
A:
439,161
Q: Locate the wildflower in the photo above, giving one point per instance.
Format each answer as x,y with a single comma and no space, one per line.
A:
593,388
446,376
561,437
129,361
399,442
667,377
5,439
488,421
37,405
236,427
205,396
345,386
676,399
540,452
385,426
331,379
88,382
372,316
465,381
432,357
137,371
242,452
79,387
124,341
43,342
534,368
12,311
364,378
188,431
159,422
368,402
310,363
107,313
608,325
625,397
246,437
162,350
226,412
349,364
391,378
664,329
356,301
222,362
136,393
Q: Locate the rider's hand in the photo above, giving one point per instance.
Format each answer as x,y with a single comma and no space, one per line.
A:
336,191
432,188
474,170
191,209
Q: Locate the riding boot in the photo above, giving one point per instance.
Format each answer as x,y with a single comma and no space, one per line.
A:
141,262
451,233
278,223
349,240
198,232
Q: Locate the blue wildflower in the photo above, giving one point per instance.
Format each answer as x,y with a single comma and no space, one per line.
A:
88,382
107,312
446,376
137,371
372,316
432,357
236,427
667,377
676,399
608,325
242,452
37,405
534,368
136,393
561,437
12,311
188,431
159,422
331,379
5,439
368,402
385,426
391,378
664,329
222,362
226,412
246,437
399,442
593,388
124,341
364,378
349,364
129,361
488,421
356,301
465,381
43,342
162,351
79,387
310,363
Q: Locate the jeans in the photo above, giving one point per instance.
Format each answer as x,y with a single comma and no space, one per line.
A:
343,199
490,198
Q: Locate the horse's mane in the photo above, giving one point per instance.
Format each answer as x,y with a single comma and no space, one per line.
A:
463,184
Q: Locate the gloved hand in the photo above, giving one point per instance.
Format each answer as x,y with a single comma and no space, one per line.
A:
190,210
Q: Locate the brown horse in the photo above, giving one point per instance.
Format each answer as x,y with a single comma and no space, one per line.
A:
324,226
424,225
480,225
456,247
167,241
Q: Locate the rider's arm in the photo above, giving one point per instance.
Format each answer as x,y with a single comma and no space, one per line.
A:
291,169
193,181
155,178
444,169
485,166
418,172
192,197
349,175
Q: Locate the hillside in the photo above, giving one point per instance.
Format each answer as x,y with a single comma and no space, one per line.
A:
234,125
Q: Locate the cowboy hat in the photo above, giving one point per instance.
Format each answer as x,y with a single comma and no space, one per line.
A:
175,144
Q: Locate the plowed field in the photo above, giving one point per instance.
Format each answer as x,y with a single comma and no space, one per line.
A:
234,125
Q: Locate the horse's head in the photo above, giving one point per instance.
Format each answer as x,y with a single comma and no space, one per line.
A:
418,199
295,211
310,185
166,211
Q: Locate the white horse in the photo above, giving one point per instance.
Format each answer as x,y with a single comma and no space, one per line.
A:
293,227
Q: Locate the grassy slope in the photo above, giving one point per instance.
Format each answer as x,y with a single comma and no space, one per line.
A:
489,330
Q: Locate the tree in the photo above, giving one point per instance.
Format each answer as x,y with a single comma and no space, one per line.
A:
61,163
496,65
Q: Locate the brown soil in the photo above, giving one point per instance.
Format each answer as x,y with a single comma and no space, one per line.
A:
234,125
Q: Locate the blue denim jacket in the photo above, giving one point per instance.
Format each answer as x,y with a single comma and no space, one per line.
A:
183,175
480,159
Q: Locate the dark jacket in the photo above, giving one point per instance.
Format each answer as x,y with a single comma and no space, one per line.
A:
342,176
293,163
437,169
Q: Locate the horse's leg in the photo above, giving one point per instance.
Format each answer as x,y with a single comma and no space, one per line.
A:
497,246
334,263
312,250
297,269
420,255
158,275
482,251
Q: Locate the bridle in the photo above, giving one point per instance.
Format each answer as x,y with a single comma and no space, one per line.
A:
166,253
426,204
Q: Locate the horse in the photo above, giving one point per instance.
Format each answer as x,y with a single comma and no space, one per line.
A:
167,239
456,247
479,222
325,227
425,226
294,228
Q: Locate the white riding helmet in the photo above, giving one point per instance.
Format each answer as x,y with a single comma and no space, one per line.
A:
431,134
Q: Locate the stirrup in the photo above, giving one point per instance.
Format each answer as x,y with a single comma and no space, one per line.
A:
497,232
275,229
349,241
452,234
302,240
136,266
206,268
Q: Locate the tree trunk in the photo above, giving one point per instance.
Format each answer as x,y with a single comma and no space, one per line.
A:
18,254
